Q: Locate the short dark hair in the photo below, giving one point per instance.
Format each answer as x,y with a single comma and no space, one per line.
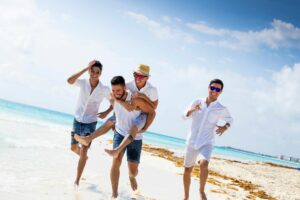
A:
218,81
117,80
98,64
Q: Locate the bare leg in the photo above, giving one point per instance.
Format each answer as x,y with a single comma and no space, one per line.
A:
115,174
75,148
203,178
133,172
100,131
146,108
115,152
187,181
81,163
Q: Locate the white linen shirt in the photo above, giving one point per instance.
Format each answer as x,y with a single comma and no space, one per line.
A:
149,90
88,104
204,122
125,118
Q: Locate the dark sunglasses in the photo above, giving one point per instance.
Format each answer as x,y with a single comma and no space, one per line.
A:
138,76
212,88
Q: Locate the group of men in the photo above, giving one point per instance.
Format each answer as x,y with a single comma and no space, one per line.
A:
133,105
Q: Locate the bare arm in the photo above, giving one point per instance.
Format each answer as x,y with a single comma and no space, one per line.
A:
127,105
72,79
153,104
103,114
189,112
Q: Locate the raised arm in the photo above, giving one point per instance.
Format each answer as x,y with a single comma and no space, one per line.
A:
153,104
72,79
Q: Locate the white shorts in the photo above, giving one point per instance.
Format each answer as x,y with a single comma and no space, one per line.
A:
191,154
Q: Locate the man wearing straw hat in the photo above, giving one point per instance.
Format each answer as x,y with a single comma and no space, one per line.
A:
144,98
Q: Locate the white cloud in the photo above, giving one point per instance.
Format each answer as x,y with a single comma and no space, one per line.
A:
161,31
280,35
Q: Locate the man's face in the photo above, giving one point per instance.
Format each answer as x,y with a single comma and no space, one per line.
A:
140,80
118,91
214,90
95,73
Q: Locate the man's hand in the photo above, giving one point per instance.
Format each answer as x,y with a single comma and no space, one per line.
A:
91,64
142,130
102,115
195,108
112,97
221,129
137,95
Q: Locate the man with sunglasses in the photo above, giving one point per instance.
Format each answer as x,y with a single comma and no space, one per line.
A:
205,114
91,94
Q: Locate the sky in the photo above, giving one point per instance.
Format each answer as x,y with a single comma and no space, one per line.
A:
253,46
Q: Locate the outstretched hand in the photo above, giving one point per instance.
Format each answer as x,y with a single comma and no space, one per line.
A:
220,130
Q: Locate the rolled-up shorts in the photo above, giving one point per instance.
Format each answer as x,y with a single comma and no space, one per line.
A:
133,150
82,129
191,154
139,122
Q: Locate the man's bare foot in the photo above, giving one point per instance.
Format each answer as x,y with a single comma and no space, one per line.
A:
112,152
203,196
82,140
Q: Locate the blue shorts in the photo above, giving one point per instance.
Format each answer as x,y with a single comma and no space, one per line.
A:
82,129
133,150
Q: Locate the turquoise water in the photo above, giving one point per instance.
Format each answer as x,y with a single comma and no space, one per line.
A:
44,115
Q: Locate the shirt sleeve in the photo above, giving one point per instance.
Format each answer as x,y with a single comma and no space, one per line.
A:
193,104
225,116
79,82
107,94
153,95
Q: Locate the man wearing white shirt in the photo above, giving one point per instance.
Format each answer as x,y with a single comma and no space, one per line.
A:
144,98
205,114
124,121
91,94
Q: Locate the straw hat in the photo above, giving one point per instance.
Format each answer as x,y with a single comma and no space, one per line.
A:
143,70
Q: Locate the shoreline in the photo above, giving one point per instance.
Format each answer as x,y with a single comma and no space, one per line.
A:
226,184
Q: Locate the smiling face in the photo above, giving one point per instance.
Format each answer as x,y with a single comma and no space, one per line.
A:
214,91
140,80
118,90
94,73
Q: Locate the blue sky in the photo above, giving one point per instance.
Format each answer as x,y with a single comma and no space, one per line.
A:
253,46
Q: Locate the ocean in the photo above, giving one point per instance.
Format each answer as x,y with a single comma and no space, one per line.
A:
16,117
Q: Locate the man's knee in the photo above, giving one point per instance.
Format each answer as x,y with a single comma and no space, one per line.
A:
203,164
133,173
188,170
74,147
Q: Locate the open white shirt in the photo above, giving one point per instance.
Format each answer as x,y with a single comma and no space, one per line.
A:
125,119
149,90
204,122
88,104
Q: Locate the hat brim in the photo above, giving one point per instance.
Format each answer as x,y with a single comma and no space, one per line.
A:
142,73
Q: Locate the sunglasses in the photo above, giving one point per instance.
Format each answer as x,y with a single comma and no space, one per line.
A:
212,88
139,76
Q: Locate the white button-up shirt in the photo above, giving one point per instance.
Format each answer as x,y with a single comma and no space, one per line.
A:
204,122
88,104
149,90
125,118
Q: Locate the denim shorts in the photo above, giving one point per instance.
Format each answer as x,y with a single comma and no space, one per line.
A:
82,129
133,150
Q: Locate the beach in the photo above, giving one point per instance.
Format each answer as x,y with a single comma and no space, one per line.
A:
37,163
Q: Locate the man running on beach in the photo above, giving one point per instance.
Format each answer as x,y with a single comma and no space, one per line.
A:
124,122
144,98
91,94
205,114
